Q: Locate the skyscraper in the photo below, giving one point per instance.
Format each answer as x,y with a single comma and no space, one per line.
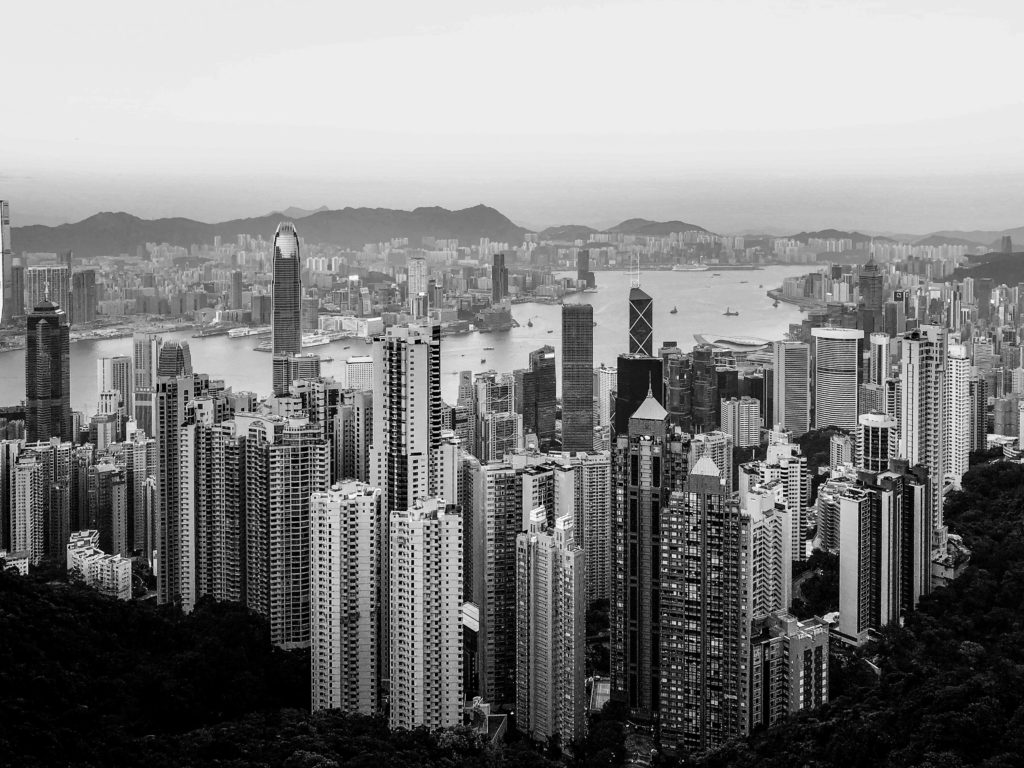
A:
877,442
550,631
836,359
650,459
425,607
958,413
641,322
286,325
923,419
48,374
287,461
636,376
792,386
879,367
49,283
115,374
83,296
174,359
577,377
346,531
741,418
7,297
499,278
539,395
872,287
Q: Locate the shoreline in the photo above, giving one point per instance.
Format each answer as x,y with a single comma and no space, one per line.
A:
803,304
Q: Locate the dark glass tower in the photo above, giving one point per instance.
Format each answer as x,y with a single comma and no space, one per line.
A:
287,292
636,377
539,395
641,322
7,298
174,359
499,278
577,377
48,374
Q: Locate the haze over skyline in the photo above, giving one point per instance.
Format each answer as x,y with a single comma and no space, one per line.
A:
586,113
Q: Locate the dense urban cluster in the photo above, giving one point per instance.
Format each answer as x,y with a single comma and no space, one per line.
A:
438,560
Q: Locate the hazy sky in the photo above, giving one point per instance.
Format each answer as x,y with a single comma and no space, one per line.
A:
900,115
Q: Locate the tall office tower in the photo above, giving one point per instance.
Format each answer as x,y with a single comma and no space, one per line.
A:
577,377
792,386
84,299
145,357
605,380
108,506
170,398
286,326
650,461
958,414
641,322
17,302
636,376
707,607
425,606
718,446
879,357
345,533
174,359
540,395
836,376
7,297
977,389
741,418
677,373
48,374
498,426
583,272
499,278
705,396
287,461
923,418
496,519
983,291
49,283
894,317
550,631
115,374
416,282
789,668
359,373
872,286
406,413
877,442
235,292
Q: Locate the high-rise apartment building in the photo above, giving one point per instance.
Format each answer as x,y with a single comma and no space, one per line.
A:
83,296
115,374
706,593
425,608
48,374
359,373
792,386
604,386
958,414
550,631
879,358
836,376
498,426
577,377
789,667
741,418
287,461
346,532
416,283
923,417
641,322
877,442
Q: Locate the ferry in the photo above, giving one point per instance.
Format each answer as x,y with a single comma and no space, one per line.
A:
729,313
488,349
314,340
690,268
674,310
236,333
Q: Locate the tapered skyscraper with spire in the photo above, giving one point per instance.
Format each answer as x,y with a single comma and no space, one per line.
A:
286,312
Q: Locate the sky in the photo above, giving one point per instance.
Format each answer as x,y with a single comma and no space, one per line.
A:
899,116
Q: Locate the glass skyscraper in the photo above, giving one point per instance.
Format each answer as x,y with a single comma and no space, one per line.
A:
48,374
577,377
286,323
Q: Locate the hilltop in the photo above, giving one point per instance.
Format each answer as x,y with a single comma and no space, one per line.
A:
107,234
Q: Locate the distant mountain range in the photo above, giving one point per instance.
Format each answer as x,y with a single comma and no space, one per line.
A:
838,234
108,234
573,232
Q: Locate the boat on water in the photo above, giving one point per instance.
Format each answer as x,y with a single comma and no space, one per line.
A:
529,323
345,347
775,303
551,330
674,311
483,360
729,313
744,282
716,274
488,349
315,340
690,268
760,285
